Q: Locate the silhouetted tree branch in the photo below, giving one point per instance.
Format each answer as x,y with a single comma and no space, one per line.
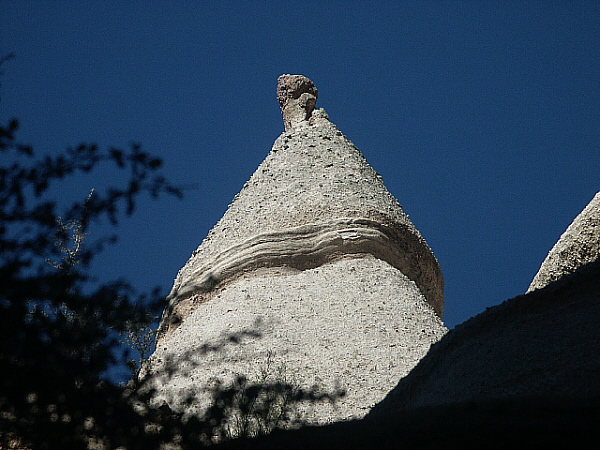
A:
59,329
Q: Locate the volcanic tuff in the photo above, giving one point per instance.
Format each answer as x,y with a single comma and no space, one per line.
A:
523,373
314,267
577,246
543,345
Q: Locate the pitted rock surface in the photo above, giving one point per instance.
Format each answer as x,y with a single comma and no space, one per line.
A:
313,176
314,268
577,246
357,324
542,345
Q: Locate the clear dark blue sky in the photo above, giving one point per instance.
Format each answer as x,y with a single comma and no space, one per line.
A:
482,117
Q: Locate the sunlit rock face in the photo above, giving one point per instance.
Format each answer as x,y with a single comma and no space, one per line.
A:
314,268
578,245
537,349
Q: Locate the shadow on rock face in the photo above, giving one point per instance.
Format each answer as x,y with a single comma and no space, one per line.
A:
523,373
544,344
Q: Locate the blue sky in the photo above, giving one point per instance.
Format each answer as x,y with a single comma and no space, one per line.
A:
482,117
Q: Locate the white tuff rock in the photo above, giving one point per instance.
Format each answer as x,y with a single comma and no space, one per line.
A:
314,267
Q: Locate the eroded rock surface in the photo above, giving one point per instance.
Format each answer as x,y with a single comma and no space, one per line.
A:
314,267
543,345
297,97
578,245
356,324
301,208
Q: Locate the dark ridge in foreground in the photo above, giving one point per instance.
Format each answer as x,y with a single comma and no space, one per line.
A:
542,344
531,422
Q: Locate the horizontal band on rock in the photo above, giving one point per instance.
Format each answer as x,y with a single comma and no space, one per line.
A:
309,246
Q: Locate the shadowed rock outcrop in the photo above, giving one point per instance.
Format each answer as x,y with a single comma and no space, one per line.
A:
543,345
523,374
315,265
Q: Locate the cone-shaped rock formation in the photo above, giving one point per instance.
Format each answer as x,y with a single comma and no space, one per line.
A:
314,268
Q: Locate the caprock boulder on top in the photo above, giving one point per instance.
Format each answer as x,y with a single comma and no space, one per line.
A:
314,269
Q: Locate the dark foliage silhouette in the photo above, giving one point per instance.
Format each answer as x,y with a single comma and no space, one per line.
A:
59,327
